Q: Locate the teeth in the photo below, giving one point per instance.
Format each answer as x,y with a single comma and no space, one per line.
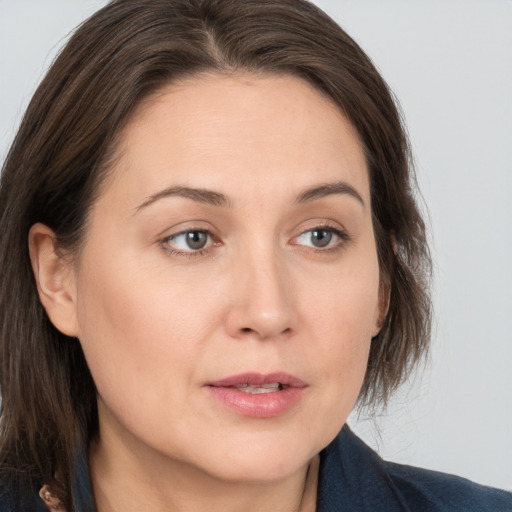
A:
254,390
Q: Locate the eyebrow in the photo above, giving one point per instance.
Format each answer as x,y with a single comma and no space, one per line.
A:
213,198
199,195
328,189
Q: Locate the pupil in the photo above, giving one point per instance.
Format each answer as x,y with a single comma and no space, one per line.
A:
321,238
196,239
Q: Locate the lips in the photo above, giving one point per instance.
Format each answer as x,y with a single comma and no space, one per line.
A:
258,395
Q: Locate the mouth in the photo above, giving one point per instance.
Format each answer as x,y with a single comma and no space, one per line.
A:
258,395
272,387
260,383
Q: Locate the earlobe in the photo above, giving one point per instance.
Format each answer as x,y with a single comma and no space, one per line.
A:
54,279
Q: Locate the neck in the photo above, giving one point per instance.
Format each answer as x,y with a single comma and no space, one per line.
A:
127,480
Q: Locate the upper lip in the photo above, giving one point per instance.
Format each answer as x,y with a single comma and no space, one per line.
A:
259,379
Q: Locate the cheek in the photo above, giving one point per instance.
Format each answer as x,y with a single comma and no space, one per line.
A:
344,335
341,318
345,301
140,331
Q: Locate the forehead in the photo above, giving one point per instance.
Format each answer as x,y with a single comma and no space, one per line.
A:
246,131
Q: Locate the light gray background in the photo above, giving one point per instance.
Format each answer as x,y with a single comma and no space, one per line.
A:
450,64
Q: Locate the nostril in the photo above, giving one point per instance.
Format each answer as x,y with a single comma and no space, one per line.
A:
249,330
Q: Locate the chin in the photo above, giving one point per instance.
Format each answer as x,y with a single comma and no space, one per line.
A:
259,470
260,459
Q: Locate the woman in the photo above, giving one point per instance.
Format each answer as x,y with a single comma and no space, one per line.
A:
224,255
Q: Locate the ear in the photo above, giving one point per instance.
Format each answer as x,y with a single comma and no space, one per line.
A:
384,292
55,279
382,308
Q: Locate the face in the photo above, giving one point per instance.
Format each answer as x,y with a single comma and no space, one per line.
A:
228,287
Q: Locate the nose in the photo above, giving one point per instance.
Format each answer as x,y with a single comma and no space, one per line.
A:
261,302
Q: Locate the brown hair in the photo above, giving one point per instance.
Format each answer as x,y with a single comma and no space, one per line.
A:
123,53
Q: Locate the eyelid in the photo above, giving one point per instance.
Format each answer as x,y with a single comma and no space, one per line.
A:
335,228
168,248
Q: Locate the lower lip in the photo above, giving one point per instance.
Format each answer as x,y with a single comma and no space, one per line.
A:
260,405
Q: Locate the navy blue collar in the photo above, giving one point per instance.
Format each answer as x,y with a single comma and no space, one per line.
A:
354,478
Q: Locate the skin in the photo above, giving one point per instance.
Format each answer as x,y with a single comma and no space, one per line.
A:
158,320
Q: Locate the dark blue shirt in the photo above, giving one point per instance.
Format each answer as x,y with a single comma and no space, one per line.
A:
353,478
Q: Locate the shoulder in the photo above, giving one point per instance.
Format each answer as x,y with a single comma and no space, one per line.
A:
441,491
10,500
352,473
7,497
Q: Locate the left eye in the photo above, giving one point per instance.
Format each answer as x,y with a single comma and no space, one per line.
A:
318,237
189,241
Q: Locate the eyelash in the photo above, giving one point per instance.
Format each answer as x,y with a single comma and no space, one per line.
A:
190,253
343,236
